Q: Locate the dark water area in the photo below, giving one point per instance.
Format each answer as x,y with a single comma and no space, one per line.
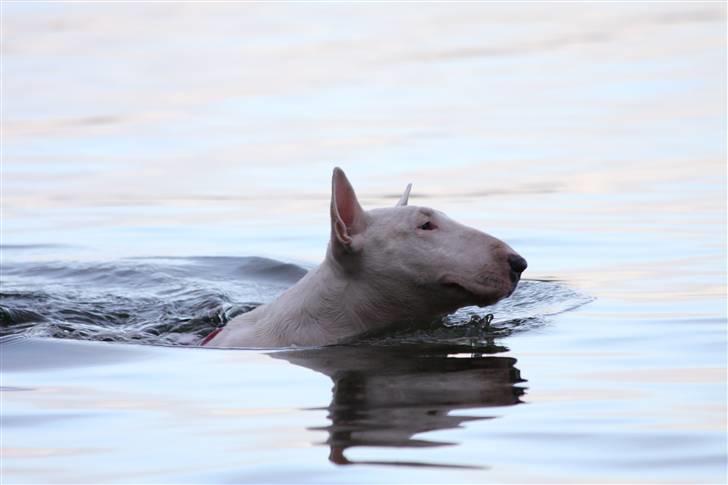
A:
173,301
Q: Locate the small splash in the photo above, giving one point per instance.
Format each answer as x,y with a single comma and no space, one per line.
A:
482,321
529,307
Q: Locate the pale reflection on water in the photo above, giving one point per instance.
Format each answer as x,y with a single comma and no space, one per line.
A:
591,137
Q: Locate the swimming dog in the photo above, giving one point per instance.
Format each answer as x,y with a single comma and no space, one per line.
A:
383,267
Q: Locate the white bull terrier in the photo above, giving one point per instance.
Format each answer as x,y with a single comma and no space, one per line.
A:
383,267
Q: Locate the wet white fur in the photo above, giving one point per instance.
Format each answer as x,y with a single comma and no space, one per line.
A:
381,269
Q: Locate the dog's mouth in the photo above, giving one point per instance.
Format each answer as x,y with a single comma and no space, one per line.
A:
454,286
515,278
480,293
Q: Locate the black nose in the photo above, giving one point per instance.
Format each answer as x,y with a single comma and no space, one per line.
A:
518,264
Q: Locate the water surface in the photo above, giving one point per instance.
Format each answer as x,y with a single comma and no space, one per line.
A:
166,167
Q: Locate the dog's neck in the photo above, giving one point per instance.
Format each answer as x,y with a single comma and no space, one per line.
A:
328,304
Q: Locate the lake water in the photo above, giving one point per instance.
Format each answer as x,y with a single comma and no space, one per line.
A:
167,166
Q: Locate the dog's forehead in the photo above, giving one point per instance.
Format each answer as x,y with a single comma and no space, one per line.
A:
401,213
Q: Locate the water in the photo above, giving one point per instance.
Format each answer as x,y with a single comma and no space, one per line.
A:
166,167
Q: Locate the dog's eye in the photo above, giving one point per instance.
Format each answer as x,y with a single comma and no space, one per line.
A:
427,226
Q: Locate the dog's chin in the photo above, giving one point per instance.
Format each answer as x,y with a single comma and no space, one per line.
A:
479,294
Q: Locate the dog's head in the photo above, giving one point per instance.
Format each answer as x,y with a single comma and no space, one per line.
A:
417,257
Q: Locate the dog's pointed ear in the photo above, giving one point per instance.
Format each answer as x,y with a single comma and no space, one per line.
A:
347,216
405,197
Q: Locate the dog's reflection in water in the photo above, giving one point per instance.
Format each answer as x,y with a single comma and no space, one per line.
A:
387,396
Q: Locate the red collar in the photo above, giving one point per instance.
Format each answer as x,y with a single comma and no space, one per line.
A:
211,336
